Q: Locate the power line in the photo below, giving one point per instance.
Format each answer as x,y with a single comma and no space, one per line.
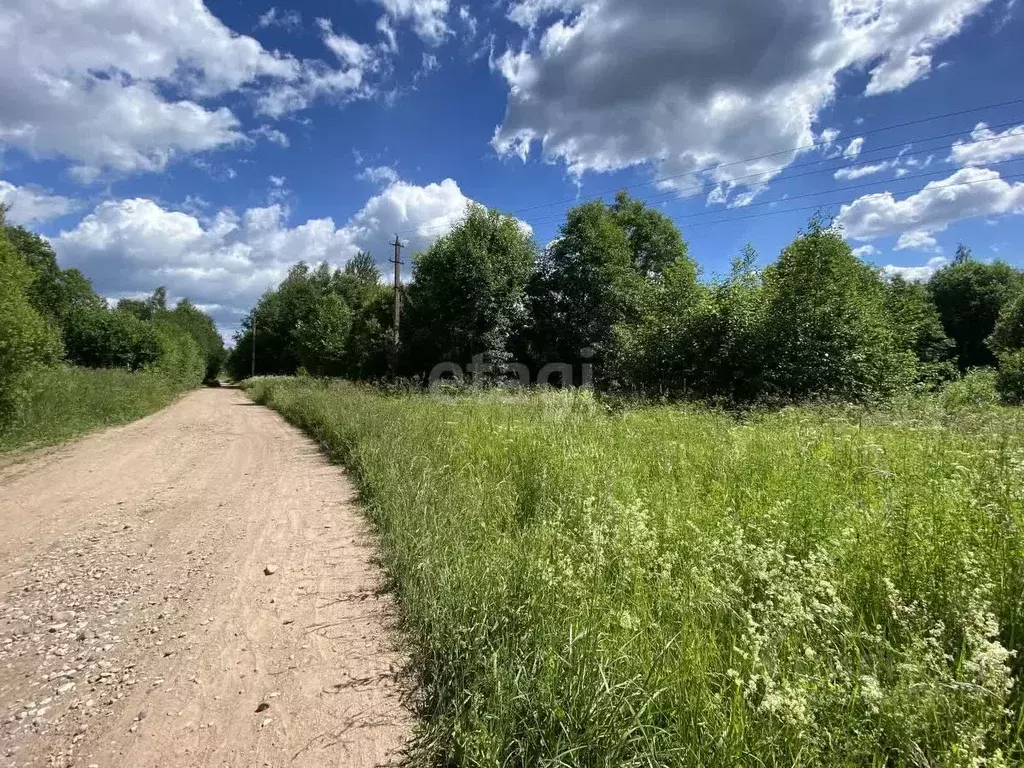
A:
798,149
819,206
675,195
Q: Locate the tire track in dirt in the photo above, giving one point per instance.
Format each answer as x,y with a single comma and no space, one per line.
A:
137,625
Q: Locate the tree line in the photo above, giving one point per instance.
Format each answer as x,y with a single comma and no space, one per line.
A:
50,315
619,290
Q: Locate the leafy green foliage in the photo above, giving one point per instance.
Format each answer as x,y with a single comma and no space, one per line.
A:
370,347
975,389
1008,334
201,327
1010,377
655,242
618,292
613,282
828,334
467,292
145,309
330,323
584,286
179,356
100,338
970,296
54,292
918,328
321,337
703,341
26,339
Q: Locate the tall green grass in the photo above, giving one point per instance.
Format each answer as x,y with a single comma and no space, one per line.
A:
66,401
664,586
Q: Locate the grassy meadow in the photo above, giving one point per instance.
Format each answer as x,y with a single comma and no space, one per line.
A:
586,586
65,401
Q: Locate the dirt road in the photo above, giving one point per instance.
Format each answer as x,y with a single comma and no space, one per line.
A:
138,625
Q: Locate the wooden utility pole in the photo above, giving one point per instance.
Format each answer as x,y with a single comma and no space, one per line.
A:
398,287
253,345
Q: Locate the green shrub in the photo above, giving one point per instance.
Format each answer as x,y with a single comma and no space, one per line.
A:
26,339
100,338
975,389
828,332
1010,377
970,297
179,357
1008,333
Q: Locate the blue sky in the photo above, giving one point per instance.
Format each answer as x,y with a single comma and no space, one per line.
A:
207,147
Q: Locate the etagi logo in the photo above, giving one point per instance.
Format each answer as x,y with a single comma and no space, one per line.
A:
516,375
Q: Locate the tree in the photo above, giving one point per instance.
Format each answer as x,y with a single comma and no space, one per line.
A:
720,349
368,351
363,268
104,339
615,282
969,296
54,292
654,240
321,336
357,281
1010,377
1008,333
178,356
305,322
827,332
26,339
467,292
918,328
201,327
145,309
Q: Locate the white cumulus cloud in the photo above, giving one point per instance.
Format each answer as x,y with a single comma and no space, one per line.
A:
123,86
428,17
602,85
381,174
917,240
853,149
987,146
918,274
864,251
29,204
860,171
287,19
968,193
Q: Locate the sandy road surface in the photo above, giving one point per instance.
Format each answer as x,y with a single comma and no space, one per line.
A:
137,626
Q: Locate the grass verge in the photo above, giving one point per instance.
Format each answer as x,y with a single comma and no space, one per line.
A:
66,402
664,586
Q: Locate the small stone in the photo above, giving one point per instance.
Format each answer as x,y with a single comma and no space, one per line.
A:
269,570
263,707
266,721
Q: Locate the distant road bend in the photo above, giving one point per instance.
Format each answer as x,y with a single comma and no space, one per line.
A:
192,589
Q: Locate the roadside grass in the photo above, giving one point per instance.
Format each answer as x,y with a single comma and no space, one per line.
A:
665,586
67,401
